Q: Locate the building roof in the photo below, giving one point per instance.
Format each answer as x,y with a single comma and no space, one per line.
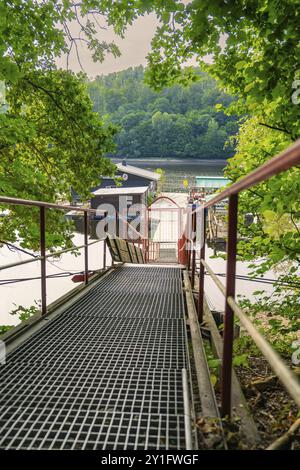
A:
212,177
120,191
211,181
133,170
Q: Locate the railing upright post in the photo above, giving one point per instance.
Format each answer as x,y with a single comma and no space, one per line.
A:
117,224
194,229
104,244
189,241
43,260
200,305
104,253
147,250
229,314
148,233
86,249
180,236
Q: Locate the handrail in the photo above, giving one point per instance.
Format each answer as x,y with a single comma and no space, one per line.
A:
42,205
20,263
284,161
214,277
284,374
277,364
120,216
48,205
57,253
43,257
49,255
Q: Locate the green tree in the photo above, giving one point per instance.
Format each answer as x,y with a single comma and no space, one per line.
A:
60,147
50,138
184,116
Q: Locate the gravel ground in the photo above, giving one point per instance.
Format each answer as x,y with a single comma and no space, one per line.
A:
273,410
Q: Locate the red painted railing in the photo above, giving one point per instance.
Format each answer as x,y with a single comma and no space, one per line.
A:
43,256
286,160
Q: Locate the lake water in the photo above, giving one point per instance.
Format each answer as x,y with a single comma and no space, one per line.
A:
178,170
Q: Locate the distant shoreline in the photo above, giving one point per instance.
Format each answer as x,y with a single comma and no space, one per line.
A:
178,161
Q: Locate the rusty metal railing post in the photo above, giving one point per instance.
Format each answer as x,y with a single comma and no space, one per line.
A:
43,260
189,237
148,233
86,249
200,306
194,229
104,253
229,315
147,250
104,243
180,234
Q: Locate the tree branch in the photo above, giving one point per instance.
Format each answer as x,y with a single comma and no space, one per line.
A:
275,128
295,225
283,441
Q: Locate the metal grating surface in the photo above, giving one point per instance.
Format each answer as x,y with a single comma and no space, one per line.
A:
64,429
131,390
106,373
167,255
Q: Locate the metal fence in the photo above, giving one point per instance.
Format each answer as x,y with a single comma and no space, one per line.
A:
43,256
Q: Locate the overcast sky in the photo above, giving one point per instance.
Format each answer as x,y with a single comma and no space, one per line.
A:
134,48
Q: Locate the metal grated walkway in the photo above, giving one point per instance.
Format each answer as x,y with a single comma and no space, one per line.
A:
104,374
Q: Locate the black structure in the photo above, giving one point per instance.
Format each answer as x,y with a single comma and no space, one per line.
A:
119,197
117,201
131,177
133,183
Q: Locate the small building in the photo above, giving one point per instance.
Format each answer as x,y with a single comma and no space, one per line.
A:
119,197
211,182
131,177
205,186
127,177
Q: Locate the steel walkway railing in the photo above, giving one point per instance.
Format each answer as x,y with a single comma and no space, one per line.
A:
107,373
43,206
275,166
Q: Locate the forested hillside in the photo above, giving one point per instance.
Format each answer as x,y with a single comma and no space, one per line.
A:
177,122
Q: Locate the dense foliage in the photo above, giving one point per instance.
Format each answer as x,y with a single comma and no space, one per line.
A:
175,122
50,138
